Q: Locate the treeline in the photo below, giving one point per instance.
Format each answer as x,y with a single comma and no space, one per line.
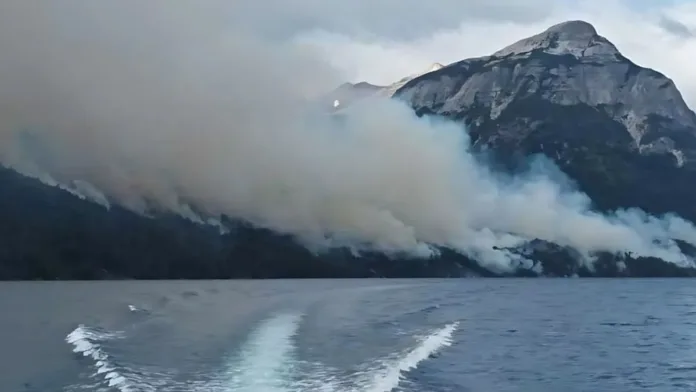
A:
49,234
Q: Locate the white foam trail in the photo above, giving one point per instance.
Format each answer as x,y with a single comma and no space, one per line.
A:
85,341
389,378
266,363
266,359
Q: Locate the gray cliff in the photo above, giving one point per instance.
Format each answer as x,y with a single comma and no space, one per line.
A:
623,132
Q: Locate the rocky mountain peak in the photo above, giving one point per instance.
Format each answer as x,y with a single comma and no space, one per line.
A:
567,65
572,30
623,132
576,38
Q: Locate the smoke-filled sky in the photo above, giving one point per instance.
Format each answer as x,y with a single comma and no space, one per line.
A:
209,103
383,42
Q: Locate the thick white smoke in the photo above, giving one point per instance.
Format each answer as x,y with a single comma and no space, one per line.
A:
176,104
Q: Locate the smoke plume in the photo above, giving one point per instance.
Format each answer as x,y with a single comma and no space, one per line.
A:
183,104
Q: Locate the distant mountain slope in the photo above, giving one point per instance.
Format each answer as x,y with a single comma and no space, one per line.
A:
349,92
49,233
623,132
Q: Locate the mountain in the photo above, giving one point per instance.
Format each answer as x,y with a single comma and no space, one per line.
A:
49,233
349,92
623,132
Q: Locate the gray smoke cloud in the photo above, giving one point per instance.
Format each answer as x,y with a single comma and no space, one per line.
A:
176,105
675,27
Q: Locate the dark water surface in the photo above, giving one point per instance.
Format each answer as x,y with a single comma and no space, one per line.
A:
466,335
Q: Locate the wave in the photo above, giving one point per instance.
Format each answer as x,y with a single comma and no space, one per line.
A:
86,341
266,362
390,376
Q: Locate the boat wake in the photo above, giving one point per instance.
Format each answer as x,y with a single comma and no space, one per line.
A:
267,362
87,342
392,374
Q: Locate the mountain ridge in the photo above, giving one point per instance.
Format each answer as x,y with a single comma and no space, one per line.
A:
348,92
622,86
573,37
535,96
612,116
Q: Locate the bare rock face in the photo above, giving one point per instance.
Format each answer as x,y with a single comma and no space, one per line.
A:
576,38
568,64
622,131
392,88
347,93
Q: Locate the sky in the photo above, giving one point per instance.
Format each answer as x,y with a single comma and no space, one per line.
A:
382,41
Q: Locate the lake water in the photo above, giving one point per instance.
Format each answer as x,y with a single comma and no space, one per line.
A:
470,335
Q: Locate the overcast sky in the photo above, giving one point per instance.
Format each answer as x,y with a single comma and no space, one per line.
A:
383,40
